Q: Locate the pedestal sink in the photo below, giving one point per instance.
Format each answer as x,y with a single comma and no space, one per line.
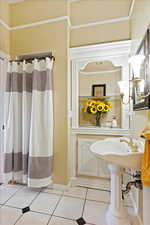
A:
119,155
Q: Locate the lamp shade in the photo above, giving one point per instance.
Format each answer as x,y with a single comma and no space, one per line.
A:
123,85
136,62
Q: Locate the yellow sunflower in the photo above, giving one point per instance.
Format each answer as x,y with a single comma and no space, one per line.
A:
100,107
93,110
88,103
109,104
106,108
93,103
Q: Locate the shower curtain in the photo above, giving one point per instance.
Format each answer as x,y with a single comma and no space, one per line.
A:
28,134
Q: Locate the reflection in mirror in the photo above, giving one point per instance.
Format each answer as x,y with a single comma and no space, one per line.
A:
99,97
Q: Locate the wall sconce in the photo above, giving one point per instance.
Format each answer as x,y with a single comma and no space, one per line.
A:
124,86
136,83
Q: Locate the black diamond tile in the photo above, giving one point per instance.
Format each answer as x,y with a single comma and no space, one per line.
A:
80,221
26,209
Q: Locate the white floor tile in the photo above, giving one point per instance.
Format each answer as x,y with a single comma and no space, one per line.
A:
70,208
6,191
60,221
45,203
94,212
78,192
8,216
32,218
98,195
22,198
53,191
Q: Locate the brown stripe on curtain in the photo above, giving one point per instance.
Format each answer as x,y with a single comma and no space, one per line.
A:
15,162
37,80
40,167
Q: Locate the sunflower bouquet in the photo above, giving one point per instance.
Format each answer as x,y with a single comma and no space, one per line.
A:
98,108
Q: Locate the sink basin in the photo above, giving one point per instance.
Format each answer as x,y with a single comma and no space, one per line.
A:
116,152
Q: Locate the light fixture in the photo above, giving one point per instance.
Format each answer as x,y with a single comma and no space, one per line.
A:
124,86
136,62
137,83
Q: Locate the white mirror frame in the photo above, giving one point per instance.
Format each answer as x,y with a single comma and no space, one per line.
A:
117,53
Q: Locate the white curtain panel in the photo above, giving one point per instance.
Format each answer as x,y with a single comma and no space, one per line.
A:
28,136
3,72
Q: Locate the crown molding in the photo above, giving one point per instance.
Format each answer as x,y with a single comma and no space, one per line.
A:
14,1
100,72
41,22
114,20
4,24
116,48
57,19
131,8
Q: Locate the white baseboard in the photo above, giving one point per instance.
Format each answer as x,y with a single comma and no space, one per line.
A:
59,187
90,183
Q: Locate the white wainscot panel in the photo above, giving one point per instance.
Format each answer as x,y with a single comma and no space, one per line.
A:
88,164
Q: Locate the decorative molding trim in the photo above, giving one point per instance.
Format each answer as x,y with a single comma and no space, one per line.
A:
57,19
100,72
131,8
90,51
114,20
70,1
5,25
14,1
41,22
101,184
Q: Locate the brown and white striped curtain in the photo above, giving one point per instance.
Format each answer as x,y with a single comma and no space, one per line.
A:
28,138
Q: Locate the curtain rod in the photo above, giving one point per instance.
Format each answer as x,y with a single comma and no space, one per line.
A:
30,59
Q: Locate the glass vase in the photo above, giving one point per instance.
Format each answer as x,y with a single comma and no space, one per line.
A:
98,119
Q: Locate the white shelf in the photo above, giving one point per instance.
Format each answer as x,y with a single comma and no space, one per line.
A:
101,131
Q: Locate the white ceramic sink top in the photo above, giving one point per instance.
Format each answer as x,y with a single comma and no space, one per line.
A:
120,153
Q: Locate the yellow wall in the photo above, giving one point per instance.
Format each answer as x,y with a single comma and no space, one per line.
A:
55,37
30,11
87,11
139,23
84,12
100,33
4,32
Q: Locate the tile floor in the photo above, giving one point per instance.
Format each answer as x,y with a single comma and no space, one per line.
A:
54,207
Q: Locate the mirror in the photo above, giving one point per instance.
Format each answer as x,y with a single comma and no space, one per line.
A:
98,85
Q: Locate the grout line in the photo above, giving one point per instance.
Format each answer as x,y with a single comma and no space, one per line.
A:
18,219
12,196
54,209
84,202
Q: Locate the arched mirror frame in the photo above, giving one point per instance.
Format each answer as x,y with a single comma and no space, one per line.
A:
117,53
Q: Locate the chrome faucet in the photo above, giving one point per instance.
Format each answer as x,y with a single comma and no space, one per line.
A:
131,143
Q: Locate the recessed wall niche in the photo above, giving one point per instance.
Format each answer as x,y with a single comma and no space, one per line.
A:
98,81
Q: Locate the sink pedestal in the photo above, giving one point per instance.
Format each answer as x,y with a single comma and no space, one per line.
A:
116,214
